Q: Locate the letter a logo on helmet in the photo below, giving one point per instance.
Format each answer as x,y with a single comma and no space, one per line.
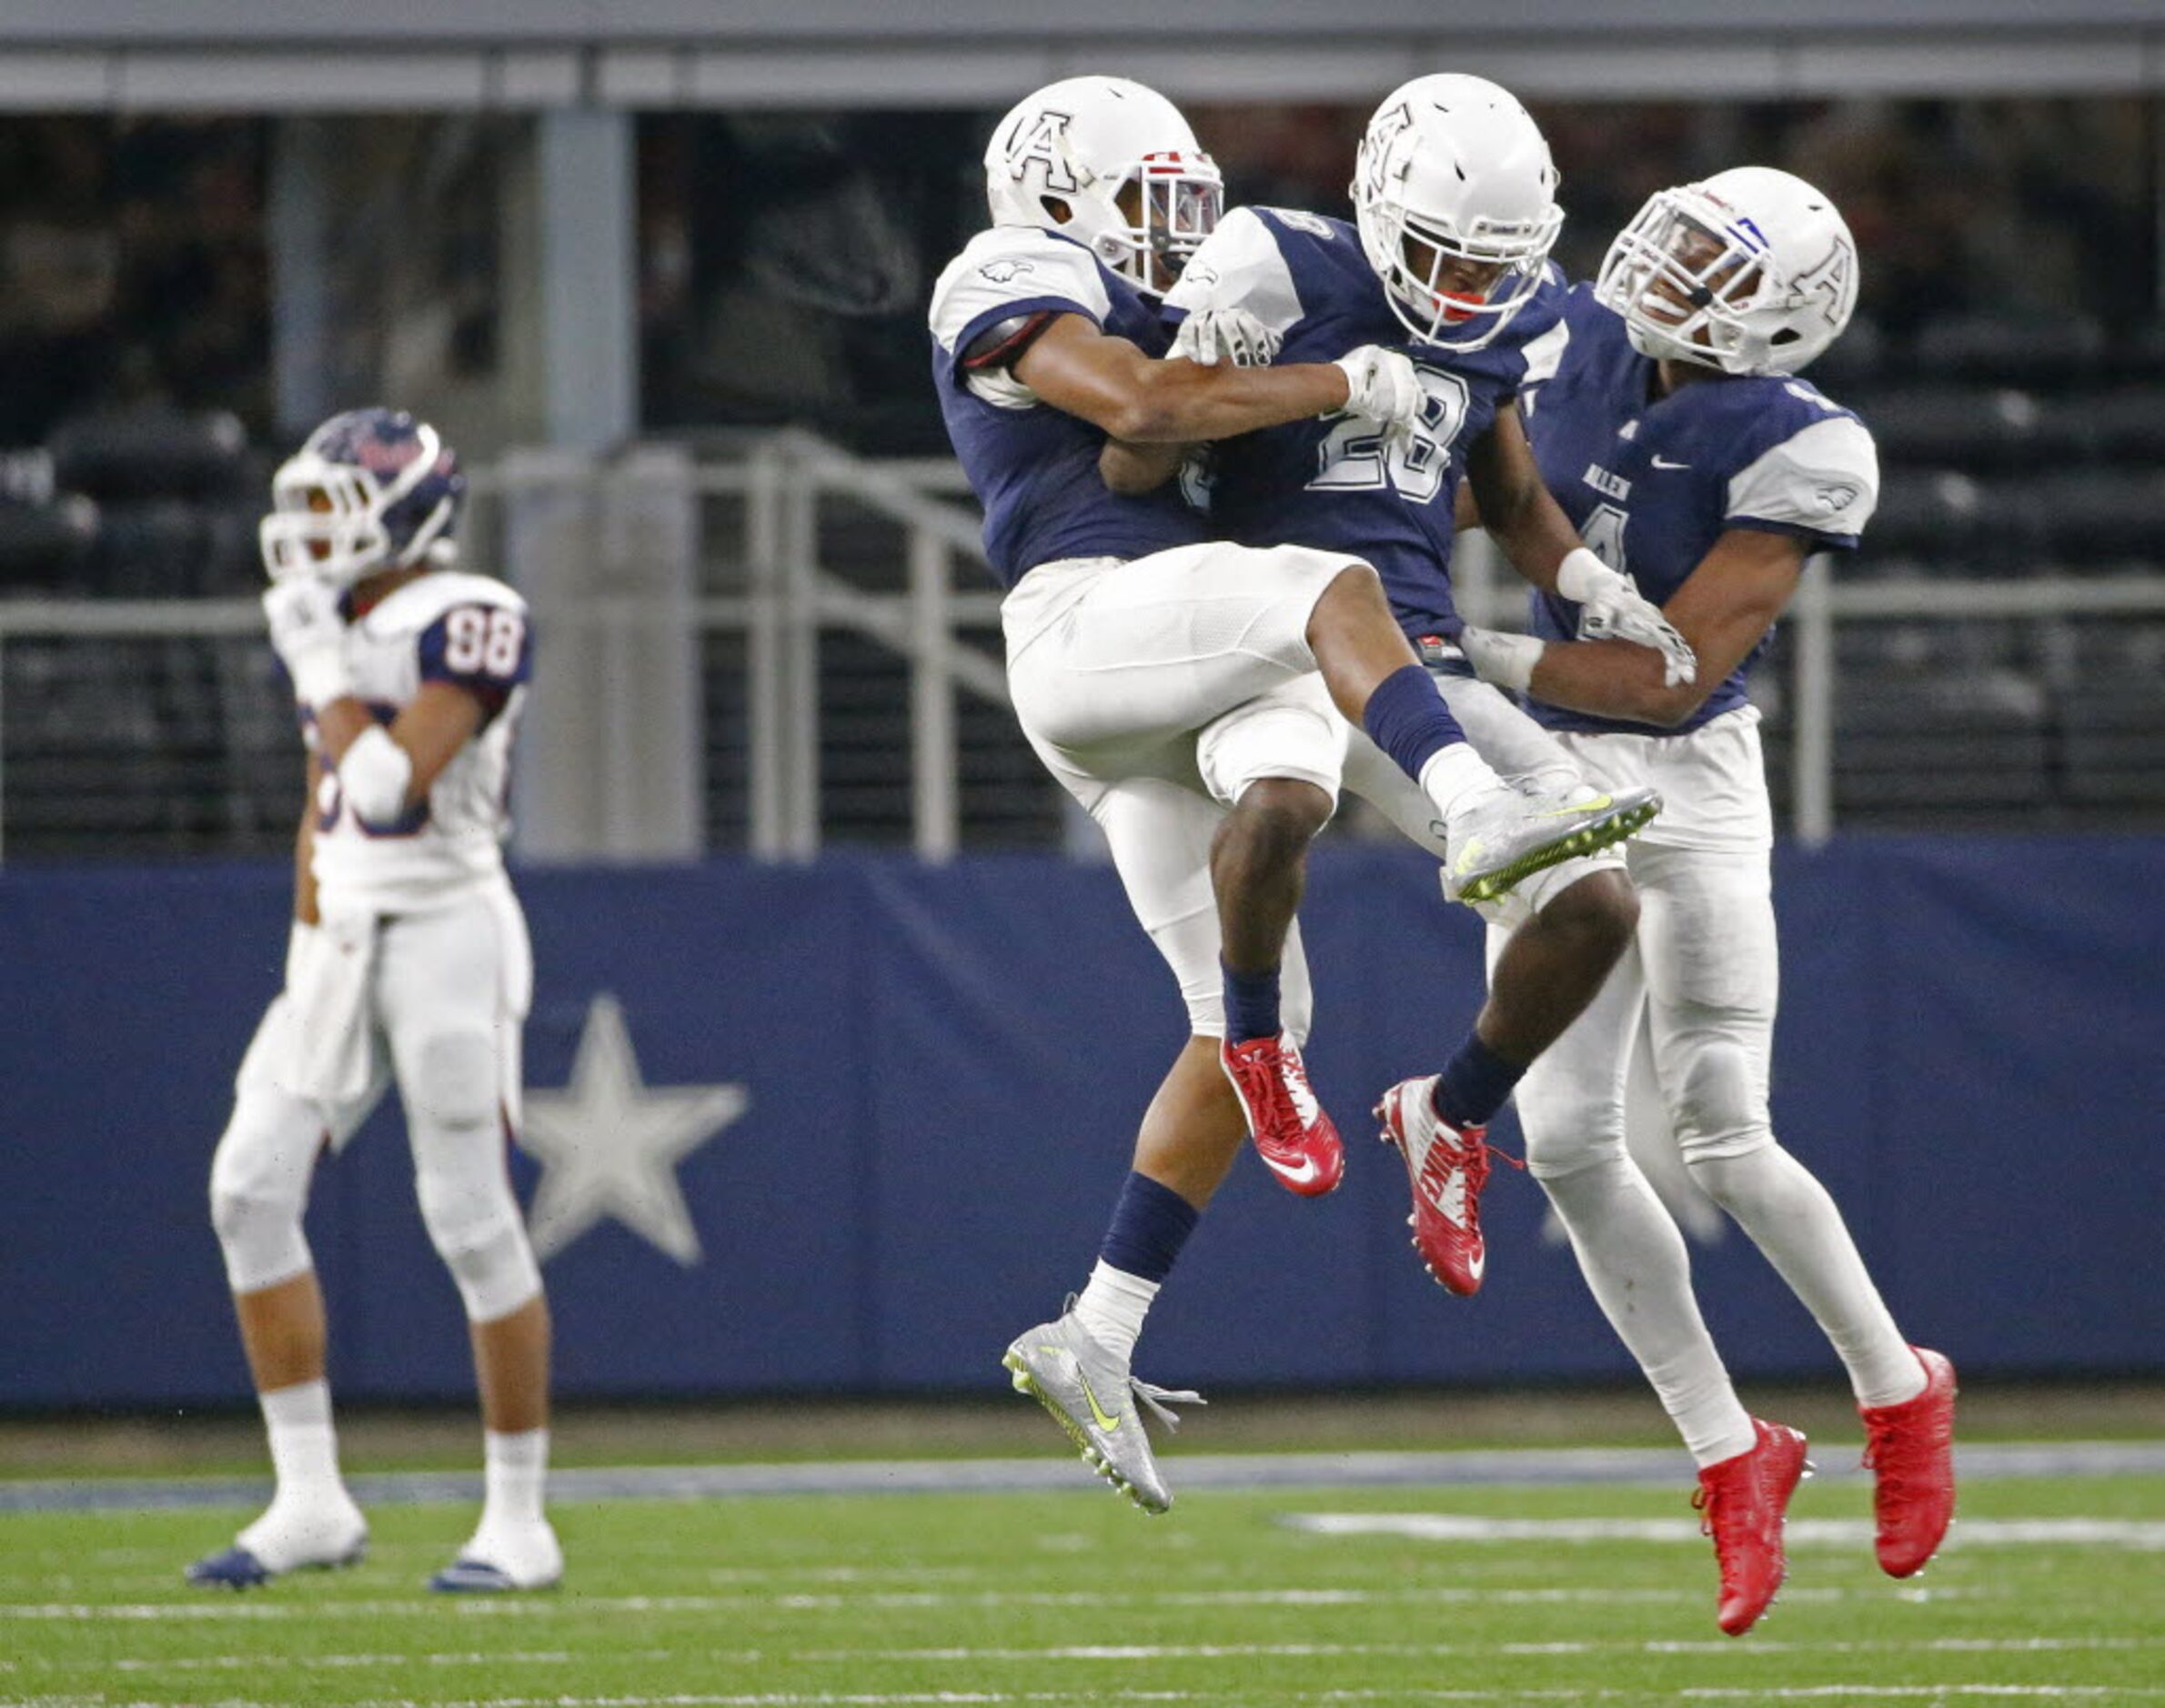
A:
1045,142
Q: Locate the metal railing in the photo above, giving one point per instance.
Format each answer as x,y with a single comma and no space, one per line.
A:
766,578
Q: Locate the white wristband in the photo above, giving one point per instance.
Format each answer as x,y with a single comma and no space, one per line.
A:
1581,575
374,773
320,676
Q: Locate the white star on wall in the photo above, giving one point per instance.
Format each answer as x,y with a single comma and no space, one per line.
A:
608,1143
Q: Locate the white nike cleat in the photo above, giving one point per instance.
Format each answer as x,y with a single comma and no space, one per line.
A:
1091,1396
501,1558
1500,836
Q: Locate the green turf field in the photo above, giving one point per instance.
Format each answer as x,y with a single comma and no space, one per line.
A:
2051,1590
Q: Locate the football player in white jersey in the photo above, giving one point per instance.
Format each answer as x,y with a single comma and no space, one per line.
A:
1191,695
1676,435
409,961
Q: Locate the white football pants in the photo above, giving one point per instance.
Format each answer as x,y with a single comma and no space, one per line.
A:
446,995
1156,690
1702,978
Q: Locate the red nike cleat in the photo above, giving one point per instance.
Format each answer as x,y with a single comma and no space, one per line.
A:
1910,1450
1292,1133
1742,1501
1448,1167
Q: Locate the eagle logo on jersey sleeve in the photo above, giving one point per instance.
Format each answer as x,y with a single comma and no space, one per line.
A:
1005,271
1314,224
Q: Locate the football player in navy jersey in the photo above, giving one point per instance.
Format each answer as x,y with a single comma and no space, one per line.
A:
1194,696
1455,198
1675,434
408,961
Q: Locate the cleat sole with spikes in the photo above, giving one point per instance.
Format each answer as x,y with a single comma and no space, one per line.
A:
1588,839
1024,1383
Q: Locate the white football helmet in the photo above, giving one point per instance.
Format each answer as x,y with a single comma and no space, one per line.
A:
1062,157
1453,176
1752,271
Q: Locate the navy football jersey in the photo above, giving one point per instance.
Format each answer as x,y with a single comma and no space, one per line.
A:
1333,484
1651,483
1035,467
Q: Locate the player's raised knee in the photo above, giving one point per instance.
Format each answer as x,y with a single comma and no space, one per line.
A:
1601,910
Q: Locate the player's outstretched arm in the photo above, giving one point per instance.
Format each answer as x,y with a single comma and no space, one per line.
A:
1115,385
1723,610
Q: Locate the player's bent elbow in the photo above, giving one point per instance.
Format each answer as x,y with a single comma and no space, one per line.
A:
1670,707
1156,406
1141,419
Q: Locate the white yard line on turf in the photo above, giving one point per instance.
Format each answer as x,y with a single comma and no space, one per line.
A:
961,1699
979,1656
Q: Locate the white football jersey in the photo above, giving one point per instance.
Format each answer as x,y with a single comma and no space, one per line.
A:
447,626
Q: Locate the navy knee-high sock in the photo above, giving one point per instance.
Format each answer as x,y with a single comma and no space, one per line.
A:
1475,1083
1251,1004
1150,1224
1408,721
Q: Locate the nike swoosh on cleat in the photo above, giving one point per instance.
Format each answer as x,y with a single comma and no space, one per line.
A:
1097,1411
1600,803
1300,1176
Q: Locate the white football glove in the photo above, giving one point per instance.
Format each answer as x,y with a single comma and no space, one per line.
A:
1382,385
1506,659
309,638
1613,609
1210,336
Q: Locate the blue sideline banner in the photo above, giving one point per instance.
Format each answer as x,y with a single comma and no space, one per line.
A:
848,1128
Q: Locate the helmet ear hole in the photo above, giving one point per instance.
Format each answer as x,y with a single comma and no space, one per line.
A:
1057,208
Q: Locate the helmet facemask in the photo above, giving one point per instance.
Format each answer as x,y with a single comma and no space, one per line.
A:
1146,221
1454,288
1181,197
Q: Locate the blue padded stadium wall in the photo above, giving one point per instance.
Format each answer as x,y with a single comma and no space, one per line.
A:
944,1067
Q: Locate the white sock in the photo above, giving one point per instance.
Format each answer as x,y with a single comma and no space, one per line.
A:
1454,773
1112,1307
304,1446
1634,1260
1788,1213
516,1469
